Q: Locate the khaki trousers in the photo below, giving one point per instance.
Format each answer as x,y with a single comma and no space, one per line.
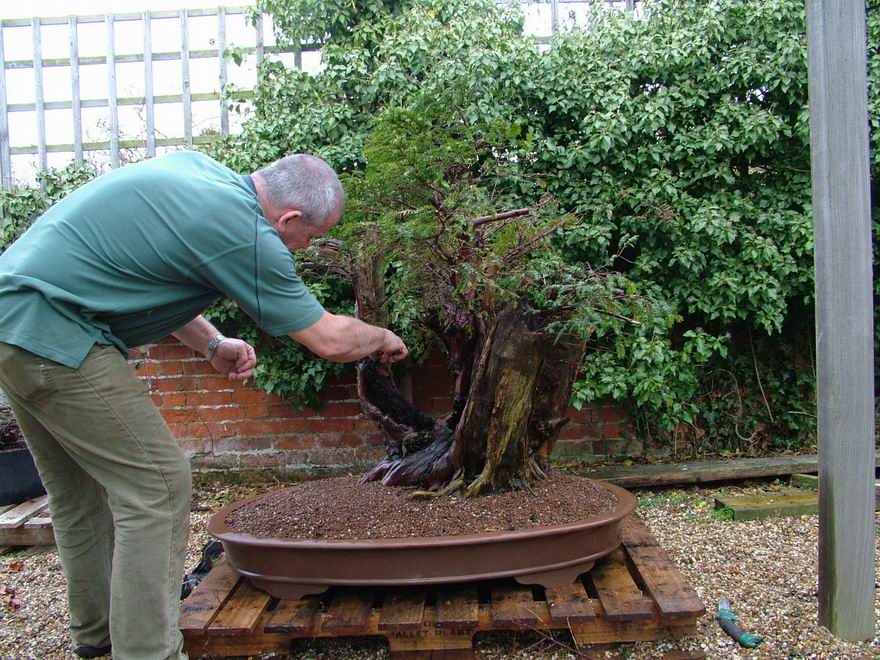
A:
119,496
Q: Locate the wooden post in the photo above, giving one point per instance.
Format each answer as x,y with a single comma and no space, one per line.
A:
844,315
76,106
149,109
185,83
111,93
221,59
5,157
39,104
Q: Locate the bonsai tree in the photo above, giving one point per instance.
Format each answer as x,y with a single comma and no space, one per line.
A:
433,243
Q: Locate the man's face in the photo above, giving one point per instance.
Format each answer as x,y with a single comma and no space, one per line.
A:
297,234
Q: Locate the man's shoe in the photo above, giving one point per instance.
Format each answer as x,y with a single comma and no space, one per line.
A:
86,651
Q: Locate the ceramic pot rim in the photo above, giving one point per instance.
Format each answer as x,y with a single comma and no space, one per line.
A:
217,527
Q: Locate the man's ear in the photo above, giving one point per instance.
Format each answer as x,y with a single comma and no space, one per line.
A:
288,215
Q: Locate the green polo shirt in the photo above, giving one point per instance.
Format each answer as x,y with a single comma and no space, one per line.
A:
139,252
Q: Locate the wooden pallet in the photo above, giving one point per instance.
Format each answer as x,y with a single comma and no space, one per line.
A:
634,594
27,523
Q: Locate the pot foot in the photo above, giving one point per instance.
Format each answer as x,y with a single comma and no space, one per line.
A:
558,578
287,590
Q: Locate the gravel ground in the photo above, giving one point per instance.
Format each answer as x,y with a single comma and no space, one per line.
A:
767,569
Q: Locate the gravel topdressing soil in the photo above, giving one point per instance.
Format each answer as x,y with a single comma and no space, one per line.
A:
344,508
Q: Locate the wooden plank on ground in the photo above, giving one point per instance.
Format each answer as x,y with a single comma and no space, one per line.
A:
242,612
205,601
618,593
402,610
295,616
569,604
458,607
348,611
23,535
4,508
668,474
514,605
17,515
770,505
805,481
38,522
662,580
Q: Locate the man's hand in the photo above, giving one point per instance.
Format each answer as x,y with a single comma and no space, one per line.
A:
235,358
392,350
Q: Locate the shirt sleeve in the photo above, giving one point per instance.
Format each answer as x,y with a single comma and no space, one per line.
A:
261,278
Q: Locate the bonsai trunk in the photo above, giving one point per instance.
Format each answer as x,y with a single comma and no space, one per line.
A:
512,388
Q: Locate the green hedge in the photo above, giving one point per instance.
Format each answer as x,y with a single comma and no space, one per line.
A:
680,142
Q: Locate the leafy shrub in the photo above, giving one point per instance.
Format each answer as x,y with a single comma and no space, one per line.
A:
24,204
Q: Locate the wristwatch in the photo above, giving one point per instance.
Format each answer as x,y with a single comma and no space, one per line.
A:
212,346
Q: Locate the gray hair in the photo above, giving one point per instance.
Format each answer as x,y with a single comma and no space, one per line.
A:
306,183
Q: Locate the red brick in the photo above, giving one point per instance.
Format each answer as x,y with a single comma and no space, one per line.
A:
341,409
177,415
340,440
137,353
246,396
219,429
340,393
364,423
198,367
193,446
323,425
212,383
178,430
612,430
145,369
170,352
267,427
257,411
368,455
239,444
176,384
375,440
582,416
168,400
220,414
209,398
288,412
608,414
294,442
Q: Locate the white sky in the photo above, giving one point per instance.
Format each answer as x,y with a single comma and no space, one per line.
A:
47,8
20,82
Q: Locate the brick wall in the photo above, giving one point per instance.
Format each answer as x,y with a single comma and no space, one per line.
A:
221,424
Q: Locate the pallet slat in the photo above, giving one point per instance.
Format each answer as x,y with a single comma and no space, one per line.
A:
514,605
402,610
662,580
205,601
242,612
570,604
38,522
348,611
292,616
458,608
621,598
17,515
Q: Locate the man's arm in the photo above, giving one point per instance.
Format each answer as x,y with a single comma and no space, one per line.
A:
233,357
346,339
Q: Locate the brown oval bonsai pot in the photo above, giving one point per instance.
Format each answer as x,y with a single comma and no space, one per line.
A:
549,556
